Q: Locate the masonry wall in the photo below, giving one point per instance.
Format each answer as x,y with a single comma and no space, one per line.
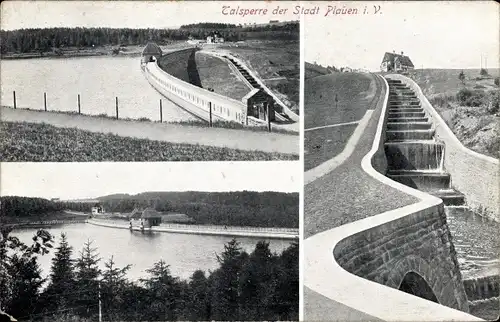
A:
473,174
176,63
419,243
195,99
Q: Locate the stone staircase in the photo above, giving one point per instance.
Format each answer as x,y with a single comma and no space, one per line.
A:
261,96
414,156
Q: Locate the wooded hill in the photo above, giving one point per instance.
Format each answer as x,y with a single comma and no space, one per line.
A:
241,208
49,39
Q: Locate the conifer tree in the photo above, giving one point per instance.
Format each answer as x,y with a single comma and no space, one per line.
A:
225,296
113,286
62,277
87,280
163,292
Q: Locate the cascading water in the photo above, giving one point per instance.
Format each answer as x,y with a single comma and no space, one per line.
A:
415,158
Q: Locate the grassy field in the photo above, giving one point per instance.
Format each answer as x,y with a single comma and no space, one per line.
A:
276,62
46,143
355,93
472,115
216,74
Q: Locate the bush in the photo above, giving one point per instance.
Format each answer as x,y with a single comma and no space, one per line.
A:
473,98
442,100
494,102
497,81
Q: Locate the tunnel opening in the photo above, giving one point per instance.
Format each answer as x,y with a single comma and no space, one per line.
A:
416,285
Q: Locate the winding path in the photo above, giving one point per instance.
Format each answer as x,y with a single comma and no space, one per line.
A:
174,133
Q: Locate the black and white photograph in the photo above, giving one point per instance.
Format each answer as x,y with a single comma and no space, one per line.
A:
401,161
147,81
149,242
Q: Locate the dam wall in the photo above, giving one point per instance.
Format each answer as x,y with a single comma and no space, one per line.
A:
464,165
194,99
399,265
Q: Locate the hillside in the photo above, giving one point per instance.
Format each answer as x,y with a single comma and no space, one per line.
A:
242,208
470,108
276,62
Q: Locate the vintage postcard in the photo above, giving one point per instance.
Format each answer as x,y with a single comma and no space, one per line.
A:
401,148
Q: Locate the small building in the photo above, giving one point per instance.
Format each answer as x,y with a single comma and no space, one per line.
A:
146,218
210,40
259,105
393,62
97,210
151,52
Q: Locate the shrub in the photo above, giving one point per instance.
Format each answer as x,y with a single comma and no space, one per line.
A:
493,102
497,81
473,98
442,100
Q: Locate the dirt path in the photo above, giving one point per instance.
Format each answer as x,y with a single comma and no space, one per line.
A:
174,133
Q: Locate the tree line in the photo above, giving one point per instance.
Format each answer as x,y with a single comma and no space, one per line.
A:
241,208
50,39
258,286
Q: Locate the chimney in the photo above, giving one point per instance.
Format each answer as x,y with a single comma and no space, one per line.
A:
402,53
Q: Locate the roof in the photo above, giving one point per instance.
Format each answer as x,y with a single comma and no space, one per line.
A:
146,213
405,60
151,49
150,213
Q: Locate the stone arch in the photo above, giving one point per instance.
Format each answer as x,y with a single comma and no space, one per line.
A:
436,276
415,284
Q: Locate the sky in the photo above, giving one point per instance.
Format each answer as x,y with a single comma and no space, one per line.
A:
434,34
131,14
94,179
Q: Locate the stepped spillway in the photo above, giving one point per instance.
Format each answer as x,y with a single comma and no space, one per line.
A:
415,158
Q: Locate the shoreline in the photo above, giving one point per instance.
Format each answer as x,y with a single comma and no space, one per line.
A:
272,233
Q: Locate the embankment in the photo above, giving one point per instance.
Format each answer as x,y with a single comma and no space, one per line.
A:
474,174
278,233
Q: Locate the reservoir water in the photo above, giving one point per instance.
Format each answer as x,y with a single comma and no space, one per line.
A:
98,80
183,252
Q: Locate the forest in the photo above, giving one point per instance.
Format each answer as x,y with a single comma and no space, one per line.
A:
258,286
241,208
38,40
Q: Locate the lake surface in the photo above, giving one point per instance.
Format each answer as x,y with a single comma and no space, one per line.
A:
183,252
98,80
476,242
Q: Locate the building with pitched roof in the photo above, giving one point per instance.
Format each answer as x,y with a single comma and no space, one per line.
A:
146,218
393,62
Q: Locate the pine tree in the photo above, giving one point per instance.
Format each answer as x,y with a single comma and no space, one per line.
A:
62,277
257,284
198,308
113,286
87,280
286,302
225,297
163,292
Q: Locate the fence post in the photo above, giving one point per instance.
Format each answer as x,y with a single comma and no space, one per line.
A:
161,112
14,94
45,101
116,100
210,109
79,111
269,117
